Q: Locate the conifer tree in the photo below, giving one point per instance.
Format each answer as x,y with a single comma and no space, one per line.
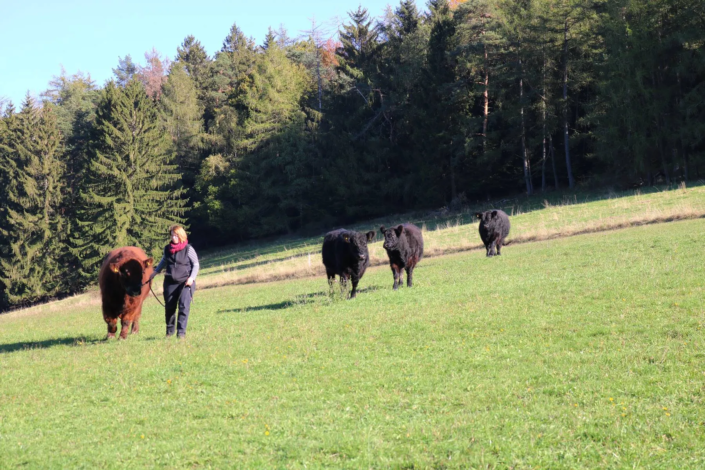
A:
269,39
32,226
131,195
125,70
195,58
74,98
277,153
182,114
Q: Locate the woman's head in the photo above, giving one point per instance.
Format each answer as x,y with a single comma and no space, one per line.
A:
177,234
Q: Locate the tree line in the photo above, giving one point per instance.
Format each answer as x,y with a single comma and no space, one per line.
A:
424,107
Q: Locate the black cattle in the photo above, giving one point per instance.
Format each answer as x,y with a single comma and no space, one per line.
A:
404,245
345,254
494,228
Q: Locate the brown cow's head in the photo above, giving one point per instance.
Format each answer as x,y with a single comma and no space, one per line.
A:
133,275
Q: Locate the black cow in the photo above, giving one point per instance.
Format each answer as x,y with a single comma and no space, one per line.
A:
494,228
404,245
345,254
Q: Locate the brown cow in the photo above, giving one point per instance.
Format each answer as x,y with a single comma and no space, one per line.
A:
124,283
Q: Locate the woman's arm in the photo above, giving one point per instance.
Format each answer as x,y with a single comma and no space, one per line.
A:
160,266
194,265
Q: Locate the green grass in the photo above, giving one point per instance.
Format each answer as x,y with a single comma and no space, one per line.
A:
585,352
533,218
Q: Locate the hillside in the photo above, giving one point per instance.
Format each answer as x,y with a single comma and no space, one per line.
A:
576,352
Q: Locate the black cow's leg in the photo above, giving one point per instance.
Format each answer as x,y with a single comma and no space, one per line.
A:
331,281
409,274
395,272
354,288
490,250
343,284
499,246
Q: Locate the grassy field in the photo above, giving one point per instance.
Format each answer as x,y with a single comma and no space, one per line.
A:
580,352
536,218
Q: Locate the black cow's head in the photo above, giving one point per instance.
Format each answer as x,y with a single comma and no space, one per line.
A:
132,274
357,244
391,236
486,216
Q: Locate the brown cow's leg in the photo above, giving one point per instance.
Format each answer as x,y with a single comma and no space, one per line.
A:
112,327
136,321
124,328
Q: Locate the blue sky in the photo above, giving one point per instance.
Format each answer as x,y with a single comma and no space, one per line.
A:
39,37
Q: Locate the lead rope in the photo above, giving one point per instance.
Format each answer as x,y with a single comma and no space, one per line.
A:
155,295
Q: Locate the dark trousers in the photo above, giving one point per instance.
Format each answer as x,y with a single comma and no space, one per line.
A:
177,295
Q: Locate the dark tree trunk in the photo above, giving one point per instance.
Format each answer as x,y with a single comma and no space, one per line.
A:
569,168
553,161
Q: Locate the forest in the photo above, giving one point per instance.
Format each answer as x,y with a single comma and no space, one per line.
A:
428,106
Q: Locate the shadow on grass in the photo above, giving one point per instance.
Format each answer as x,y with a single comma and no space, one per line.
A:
49,343
297,301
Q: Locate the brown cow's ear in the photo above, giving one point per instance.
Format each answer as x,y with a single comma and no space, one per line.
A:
370,235
399,230
114,268
148,262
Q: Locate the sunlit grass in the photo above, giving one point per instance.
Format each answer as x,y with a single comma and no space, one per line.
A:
531,219
583,352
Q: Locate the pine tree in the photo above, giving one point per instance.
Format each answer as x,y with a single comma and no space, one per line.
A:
183,118
231,65
278,158
269,39
406,19
33,228
125,70
195,58
74,98
130,196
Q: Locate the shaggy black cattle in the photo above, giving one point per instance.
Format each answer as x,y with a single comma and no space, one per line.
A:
494,228
345,254
404,245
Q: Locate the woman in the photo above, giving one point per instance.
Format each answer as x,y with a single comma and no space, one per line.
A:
182,266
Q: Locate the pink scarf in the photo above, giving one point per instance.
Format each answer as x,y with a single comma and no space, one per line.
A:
176,247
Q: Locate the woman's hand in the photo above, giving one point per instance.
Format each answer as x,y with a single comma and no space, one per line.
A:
189,281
